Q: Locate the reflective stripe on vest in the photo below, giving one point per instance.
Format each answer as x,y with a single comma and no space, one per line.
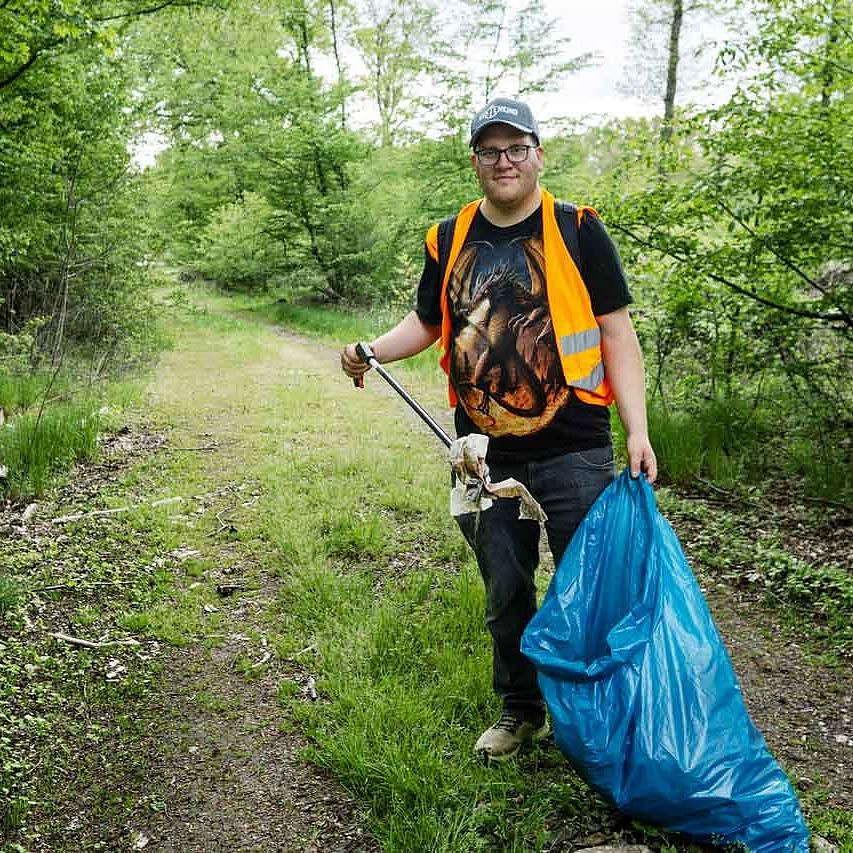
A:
591,382
578,342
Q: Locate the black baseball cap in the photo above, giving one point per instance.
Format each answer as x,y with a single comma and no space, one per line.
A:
504,111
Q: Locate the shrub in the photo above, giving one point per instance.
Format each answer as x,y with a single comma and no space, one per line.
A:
236,248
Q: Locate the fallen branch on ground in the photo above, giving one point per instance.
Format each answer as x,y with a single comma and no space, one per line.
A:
28,513
730,495
264,659
82,586
99,513
829,502
89,644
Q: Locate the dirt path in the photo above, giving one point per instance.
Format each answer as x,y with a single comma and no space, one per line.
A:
228,761
224,764
229,767
805,712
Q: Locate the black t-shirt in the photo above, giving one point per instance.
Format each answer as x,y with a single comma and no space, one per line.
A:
504,363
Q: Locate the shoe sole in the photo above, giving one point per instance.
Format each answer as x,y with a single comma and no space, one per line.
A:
488,757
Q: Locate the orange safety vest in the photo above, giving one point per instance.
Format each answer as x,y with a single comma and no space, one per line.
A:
577,332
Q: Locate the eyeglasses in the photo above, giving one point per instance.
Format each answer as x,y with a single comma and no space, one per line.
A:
515,154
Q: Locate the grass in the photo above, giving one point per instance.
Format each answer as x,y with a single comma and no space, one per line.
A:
736,445
334,324
376,589
33,447
52,425
22,391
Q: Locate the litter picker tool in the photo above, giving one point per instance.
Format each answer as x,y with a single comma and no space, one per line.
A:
365,353
473,491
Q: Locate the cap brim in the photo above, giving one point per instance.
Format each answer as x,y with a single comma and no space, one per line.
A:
489,124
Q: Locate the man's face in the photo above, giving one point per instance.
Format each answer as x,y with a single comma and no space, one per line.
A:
507,185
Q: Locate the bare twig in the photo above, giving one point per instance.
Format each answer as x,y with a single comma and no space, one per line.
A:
28,513
838,317
88,644
97,513
223,524
73,586
733,496
829,502
264,659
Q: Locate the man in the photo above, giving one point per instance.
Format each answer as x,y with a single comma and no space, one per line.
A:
535,345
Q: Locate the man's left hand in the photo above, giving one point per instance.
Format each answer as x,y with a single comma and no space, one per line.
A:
641,457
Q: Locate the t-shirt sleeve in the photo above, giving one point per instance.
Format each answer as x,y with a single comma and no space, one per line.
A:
428,297
601,268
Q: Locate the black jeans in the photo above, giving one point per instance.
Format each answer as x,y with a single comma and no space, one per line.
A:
507,552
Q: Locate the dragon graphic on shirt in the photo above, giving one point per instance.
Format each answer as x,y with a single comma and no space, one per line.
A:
503,356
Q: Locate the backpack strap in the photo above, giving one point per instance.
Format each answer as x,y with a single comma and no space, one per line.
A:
445,241
567,221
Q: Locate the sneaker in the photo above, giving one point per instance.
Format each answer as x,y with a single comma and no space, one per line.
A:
504,739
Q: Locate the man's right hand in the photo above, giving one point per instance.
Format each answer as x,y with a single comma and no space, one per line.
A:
410,336
353,366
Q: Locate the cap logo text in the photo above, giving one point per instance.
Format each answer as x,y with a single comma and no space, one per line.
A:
497,109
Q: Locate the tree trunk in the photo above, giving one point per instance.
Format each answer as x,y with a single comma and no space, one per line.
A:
672,69
334,29
828,71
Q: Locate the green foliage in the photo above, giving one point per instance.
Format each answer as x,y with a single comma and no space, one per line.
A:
29,29
824,593
17,350
70,242
11,594
738,233
236,249
296,165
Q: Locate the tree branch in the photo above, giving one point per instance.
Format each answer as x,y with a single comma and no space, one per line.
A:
150,10
88,644
786,262
6,81
788,309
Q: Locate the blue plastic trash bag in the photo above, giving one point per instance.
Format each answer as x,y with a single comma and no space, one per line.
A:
643,697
